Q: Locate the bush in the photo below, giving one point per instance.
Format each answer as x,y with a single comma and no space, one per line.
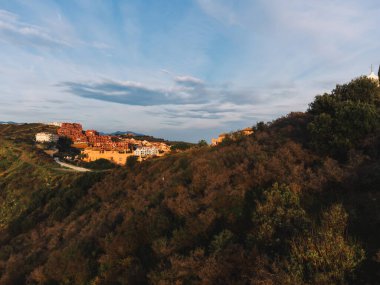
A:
131,162
100,164
181,146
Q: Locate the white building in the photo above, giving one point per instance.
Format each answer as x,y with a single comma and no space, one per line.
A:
46,137
146,151
373,76
56,124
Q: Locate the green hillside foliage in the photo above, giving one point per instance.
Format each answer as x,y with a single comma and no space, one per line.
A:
297,202
344,117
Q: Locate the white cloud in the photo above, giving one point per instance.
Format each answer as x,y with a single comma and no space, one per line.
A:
222,10
188,80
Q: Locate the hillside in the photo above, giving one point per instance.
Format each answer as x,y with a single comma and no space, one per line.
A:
297,202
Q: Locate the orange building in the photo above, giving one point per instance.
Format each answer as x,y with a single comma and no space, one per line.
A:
91,133
247,131
118,157
244,132
218,140
73,131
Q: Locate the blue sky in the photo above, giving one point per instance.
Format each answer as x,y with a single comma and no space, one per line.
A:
178,69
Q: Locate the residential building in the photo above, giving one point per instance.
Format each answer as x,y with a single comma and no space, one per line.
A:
118,157
46,137
247,131
146,151
55,124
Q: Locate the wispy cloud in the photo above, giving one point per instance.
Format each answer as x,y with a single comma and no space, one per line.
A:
189,81
16,31
222,10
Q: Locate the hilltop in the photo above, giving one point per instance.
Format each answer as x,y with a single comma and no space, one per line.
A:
25,170
296,202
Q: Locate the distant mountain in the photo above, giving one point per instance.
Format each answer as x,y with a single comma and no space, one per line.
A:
9,122
120,133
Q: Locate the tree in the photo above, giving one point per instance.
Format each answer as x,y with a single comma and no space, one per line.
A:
64,144
181,146
336,134
131,162
378,74
202,143
65,148
260,126
325,255
343,118
278,218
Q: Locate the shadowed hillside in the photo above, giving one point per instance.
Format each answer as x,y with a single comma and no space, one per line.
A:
297,202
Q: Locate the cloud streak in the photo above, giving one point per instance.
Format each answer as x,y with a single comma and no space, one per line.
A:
12,30
221,10
191,102
185,90
133,93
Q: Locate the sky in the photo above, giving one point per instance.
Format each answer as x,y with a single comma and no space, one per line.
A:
178,69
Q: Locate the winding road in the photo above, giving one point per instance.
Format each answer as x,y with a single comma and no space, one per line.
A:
73,167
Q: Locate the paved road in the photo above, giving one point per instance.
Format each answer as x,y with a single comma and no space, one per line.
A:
73,167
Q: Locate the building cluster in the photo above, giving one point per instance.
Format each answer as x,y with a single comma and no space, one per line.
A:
74,132
115,148
222,137
91,138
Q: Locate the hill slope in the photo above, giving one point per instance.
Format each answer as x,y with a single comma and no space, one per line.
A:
295,203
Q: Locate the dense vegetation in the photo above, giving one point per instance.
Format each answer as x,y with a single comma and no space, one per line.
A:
297,202
99,164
